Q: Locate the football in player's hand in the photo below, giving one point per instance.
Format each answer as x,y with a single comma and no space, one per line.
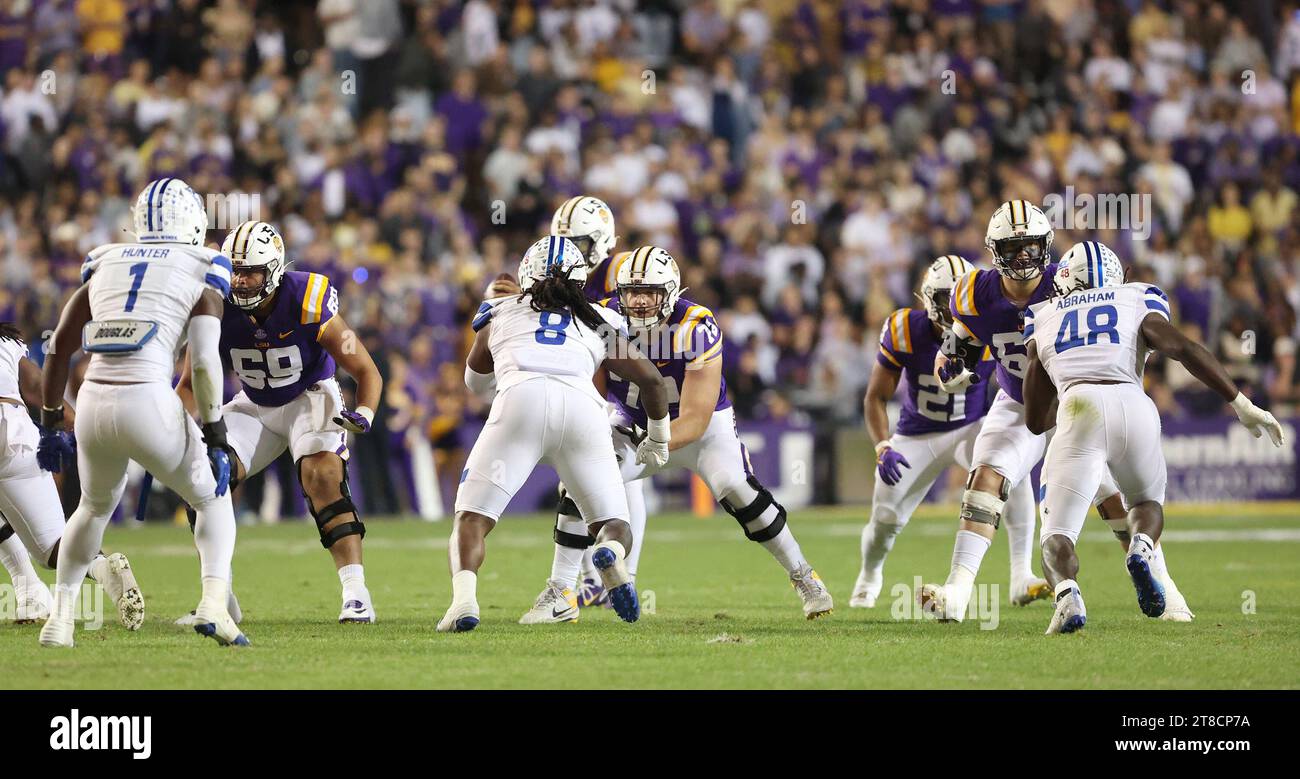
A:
504,284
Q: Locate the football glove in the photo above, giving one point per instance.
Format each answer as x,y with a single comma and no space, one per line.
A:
357,421
214,436
887,463
57,450
1257,420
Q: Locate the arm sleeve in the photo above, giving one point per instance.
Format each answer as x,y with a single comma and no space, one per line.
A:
1155,300
483,385
205,366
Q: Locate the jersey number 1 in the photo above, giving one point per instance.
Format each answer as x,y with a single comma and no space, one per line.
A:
137,273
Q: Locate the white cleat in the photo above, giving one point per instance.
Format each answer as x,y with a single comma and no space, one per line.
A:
816,598
114,574
232,606
214,622
1070,614
460,618
945,603
1026,591
1176,609
865,592
57,630
557,603
33,602
357,609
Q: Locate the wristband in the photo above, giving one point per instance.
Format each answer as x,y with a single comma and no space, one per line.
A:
51,417
367,413
659,430
888,443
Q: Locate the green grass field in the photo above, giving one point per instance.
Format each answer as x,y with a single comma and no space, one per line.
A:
723,615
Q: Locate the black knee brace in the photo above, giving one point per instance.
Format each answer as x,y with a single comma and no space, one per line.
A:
568,508
343,505
754,510
6,530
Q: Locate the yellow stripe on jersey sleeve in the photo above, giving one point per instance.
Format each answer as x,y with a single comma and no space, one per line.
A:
907,330
713,353
682,339
965,295
313,298
889,356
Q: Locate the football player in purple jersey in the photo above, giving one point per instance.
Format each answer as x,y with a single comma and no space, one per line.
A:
283,335
988,308
935,429
685,343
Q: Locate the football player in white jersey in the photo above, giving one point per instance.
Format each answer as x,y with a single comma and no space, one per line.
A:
134,311
32,516
1087,349
535,354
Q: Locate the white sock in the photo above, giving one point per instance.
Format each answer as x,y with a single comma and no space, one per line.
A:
567,559
636,521
464,587
353,579
877,540
967,554
214,535
14,557
82,538
65,601
216,590
1018,518
588,568
786,550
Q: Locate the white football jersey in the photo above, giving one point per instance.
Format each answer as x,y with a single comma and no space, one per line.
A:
10,353
135,287
1095,334
526,344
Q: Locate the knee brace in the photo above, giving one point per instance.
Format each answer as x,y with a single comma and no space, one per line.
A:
343,505
567,508
6,530
764,503
979,506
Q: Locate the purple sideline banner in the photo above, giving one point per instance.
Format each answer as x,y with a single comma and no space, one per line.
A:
1218,460
781,455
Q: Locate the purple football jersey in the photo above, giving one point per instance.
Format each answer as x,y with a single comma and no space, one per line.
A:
281,357
979,304
688,340
908,344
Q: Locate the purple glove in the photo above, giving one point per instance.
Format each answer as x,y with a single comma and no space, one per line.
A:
887,462
353,421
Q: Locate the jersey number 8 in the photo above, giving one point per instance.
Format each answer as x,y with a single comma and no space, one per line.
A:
553,325
1101,321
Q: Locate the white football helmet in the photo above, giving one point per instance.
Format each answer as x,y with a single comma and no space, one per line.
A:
252,246
168,210
1088,265
552,256
937,284
652,269
1019,227
589,223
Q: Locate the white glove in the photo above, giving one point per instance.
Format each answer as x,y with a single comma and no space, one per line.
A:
956,382
1257,420
653,449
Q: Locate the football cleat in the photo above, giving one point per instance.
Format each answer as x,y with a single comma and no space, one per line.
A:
617,582
232,606
1026,591
357,610
213,621
557,603
816,598
1176,609
1150,593
33,601
948,604
57,630
460,618
114,574
865,592
1070,614
592,593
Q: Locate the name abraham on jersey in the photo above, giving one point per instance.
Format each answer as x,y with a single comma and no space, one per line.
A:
1080,298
